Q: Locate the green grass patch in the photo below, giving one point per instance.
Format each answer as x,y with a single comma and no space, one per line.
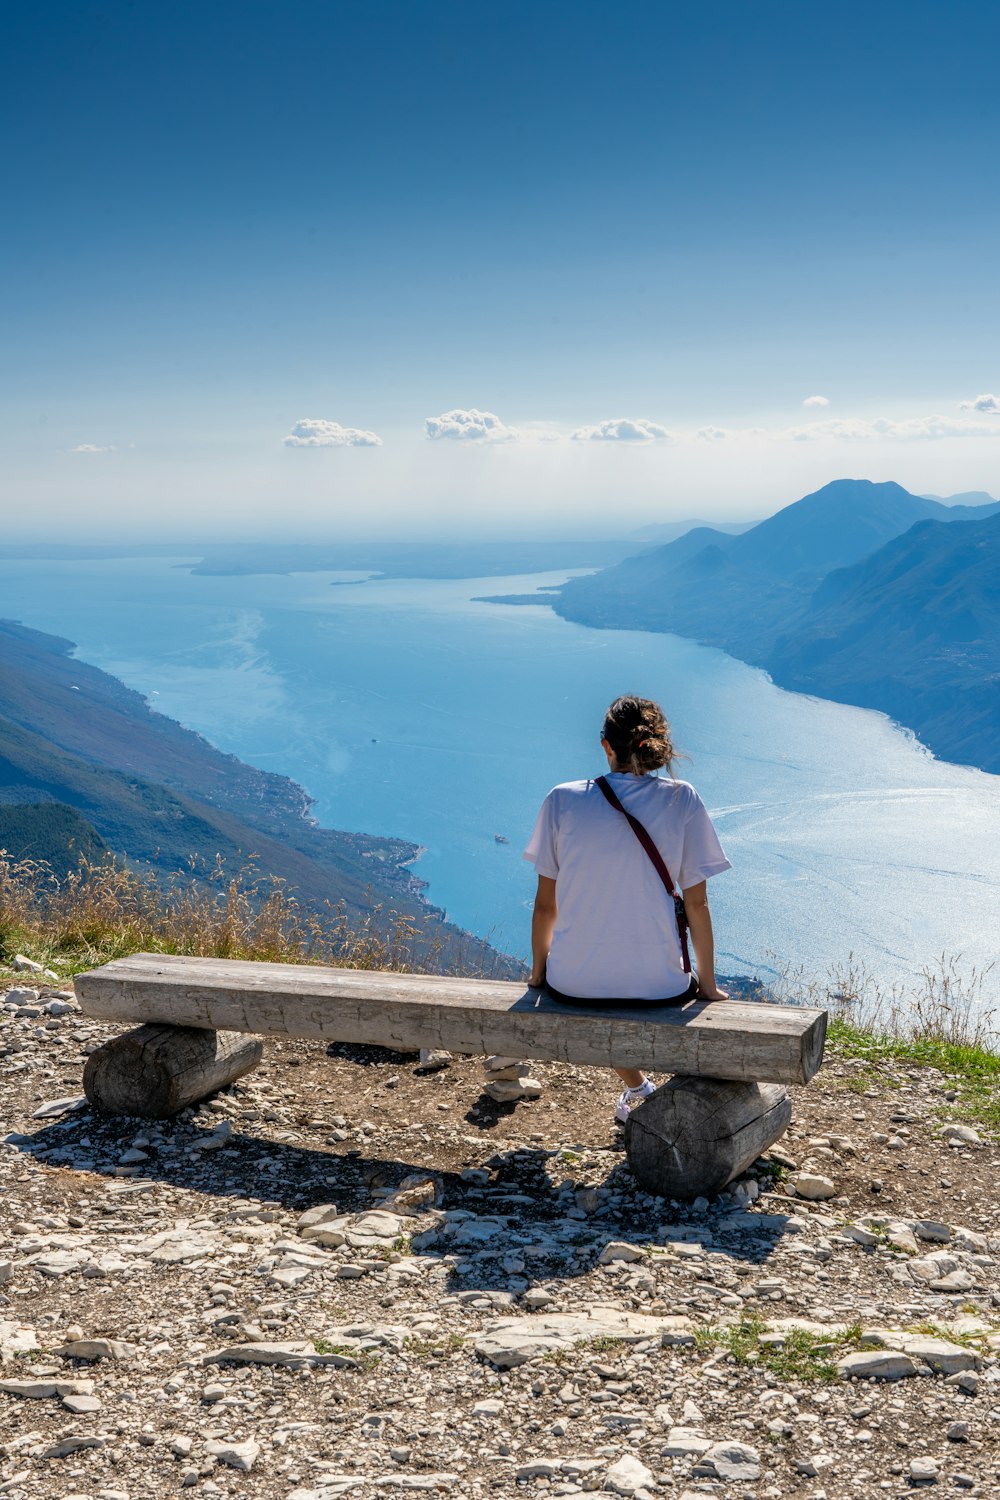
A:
933,1330
801,1356
365,1359
972,1067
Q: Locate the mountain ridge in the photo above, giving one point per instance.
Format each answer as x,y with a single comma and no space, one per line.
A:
761,596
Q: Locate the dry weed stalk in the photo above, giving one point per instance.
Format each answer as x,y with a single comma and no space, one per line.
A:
947,1006
107,910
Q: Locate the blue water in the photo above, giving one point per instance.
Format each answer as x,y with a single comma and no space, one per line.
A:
405,708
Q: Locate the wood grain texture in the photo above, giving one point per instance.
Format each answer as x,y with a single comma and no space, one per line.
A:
725,1039
696,1134
156,1071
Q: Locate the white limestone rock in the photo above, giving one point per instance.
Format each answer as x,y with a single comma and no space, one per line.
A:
730,1460
944,1357
931,1229
46,1390
969,1242
511,1091
962,1135
74,1442
57,1107
900,1235
291,1355
932,1267
433,1059
516,1340
415,1194
955,1281
241,1456
627,1476
620,1250
877,1364
95,1349
322,1213
812,1185
16,1338
685,1442
25,965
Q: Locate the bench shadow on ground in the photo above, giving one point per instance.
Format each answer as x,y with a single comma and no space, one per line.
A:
521,1196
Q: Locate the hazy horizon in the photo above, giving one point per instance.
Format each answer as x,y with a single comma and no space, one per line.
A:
468,531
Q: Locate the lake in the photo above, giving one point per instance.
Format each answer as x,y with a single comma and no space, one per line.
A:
406,708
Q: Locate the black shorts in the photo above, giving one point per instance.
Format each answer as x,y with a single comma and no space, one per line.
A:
620,1003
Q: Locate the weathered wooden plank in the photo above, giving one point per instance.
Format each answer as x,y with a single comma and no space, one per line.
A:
156,1071
696,1134
724,1039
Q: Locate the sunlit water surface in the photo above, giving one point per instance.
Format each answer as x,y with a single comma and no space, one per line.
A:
405,708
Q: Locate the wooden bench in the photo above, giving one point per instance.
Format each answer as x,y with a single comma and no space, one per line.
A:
202,1018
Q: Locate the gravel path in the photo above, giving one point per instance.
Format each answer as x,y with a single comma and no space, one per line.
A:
348,1276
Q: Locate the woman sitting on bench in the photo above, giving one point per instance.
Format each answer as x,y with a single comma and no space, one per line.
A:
608,928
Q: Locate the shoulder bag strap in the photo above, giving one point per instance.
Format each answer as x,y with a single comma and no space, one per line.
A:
658,863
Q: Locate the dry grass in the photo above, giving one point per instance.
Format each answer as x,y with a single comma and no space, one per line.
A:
947,1006
947,1021
108,910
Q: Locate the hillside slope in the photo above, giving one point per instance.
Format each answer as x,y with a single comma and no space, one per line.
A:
50,833
915,631
161,794
860,592
741,592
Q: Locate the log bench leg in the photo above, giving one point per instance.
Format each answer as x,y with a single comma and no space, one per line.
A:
156,1071
696,1134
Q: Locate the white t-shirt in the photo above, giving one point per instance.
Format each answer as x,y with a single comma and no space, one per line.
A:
615,935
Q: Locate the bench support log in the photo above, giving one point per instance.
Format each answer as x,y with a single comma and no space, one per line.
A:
696,1134
156,1071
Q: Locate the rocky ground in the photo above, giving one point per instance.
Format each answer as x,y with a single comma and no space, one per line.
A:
343,1275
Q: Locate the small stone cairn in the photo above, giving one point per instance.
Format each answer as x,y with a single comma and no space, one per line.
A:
508,1079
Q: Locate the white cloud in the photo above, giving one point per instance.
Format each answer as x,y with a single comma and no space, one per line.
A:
623,430
712,434
986,402
858,429
90,448
472,425
315,432
816,401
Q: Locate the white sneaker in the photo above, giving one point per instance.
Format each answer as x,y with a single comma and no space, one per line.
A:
630,1098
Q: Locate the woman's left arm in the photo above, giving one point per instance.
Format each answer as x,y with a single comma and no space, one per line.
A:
543,924
702,941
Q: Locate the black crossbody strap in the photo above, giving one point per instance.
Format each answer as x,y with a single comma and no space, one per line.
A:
657,860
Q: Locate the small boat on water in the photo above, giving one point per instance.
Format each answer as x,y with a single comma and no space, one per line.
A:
500,838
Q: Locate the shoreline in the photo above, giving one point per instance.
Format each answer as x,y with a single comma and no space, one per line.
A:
519,601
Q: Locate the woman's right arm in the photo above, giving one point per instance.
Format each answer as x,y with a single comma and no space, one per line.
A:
543,924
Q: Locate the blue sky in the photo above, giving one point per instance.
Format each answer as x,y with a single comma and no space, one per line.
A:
227,219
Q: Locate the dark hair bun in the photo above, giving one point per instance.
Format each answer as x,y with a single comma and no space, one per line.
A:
638,733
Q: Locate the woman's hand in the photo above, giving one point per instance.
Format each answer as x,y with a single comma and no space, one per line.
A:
712,992
536,979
